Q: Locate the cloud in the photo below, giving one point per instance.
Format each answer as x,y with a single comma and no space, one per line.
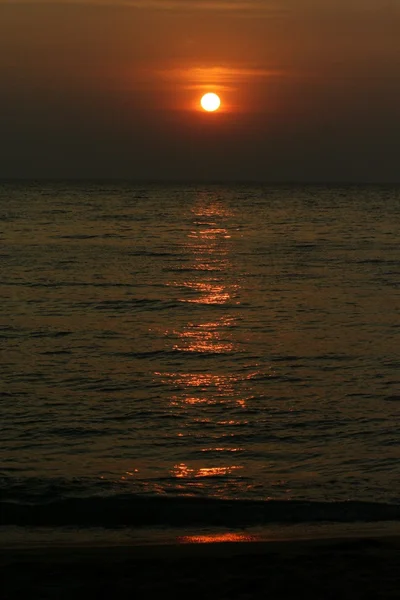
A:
204,5
272,7
223,78
265,6
219,73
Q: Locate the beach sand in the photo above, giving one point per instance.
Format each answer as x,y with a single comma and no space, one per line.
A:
353,568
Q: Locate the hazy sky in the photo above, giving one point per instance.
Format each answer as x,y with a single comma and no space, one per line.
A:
310,89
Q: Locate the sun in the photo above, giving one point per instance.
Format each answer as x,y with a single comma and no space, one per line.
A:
210,102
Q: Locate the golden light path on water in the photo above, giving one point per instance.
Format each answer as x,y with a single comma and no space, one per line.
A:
205,337
217,538
181,471
212,283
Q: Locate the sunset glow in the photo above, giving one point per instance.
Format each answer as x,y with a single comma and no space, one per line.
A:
267,80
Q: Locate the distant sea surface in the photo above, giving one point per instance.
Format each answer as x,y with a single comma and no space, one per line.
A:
193,354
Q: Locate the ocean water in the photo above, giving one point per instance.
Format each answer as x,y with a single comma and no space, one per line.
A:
199,355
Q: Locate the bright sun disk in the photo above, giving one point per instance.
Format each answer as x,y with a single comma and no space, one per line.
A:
210,102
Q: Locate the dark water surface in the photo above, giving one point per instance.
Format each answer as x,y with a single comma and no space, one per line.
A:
218,342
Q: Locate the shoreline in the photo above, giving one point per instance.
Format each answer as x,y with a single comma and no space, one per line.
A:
38,537
345,567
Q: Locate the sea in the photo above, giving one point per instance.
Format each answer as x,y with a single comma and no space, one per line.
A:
198,361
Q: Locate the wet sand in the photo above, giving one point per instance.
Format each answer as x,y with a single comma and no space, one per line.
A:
353,568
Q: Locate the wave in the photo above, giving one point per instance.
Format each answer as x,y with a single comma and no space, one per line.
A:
139,511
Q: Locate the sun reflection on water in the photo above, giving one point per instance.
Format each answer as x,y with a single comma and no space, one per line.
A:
210,233
182,471
212,293
210,284
206,337
209,245
210,538
211,389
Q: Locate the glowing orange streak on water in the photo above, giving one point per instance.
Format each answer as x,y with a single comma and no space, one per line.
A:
216,537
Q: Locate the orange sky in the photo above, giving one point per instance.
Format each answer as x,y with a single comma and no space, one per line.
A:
112,89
